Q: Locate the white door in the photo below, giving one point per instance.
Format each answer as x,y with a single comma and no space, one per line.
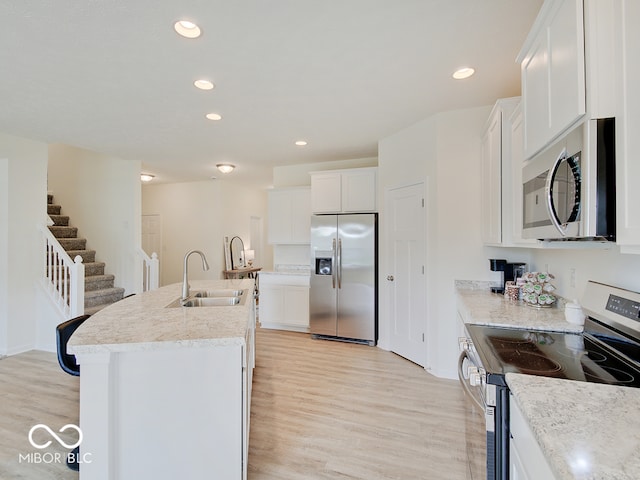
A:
406,282
151,234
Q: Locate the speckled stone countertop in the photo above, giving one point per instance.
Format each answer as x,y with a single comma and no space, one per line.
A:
585,430
142,322
477,304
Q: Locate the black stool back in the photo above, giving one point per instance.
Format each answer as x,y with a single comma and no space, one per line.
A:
63,334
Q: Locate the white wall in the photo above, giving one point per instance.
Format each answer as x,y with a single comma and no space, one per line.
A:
197,215
443,152
23,176
605,266
102,196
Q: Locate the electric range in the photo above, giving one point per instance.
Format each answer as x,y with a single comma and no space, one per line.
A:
607,351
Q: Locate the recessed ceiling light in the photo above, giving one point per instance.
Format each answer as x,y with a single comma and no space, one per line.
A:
301,143
146,177
204,84
187,29
462,73
214,116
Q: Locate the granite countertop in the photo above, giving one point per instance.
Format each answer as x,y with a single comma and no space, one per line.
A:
477,304
142,322
585,430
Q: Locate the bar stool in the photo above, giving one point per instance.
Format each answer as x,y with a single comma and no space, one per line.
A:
69,364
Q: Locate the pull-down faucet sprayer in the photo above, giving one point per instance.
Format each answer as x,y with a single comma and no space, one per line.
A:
185,280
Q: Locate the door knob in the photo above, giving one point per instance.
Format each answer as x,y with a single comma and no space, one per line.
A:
390,278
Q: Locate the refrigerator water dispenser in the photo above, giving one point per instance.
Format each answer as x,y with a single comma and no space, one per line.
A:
323,266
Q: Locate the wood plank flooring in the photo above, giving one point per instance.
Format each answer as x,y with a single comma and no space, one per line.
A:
331,410
320,410
33,390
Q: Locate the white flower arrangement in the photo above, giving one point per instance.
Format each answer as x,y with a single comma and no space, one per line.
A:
537,289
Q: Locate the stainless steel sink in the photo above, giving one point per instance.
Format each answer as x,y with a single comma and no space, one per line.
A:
212,302
225,292
212,298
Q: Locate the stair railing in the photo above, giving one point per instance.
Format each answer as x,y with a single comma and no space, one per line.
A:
63,277
150,270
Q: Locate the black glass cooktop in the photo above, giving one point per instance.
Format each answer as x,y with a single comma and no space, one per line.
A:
555,354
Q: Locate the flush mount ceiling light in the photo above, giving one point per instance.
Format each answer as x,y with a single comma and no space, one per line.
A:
213,116
187,29
225,167
146,177
301,143
204,84
463,73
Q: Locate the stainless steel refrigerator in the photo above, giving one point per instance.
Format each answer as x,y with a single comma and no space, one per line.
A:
343,302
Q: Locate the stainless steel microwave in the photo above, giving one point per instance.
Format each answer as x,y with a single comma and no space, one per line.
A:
569,189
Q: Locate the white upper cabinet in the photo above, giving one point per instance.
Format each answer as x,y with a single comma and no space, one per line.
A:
491,179
289,216
497,189
627,54
553,73
567,67
344,191
512,189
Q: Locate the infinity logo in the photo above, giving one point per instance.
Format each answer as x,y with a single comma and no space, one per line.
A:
53,434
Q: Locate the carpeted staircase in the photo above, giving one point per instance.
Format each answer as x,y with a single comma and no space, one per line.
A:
99,289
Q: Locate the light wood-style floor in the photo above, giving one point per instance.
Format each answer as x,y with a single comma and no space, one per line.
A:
33,390
331,410
320,410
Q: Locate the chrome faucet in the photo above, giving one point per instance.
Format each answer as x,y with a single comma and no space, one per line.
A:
185,280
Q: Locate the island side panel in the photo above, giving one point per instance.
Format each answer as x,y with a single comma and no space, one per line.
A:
172,413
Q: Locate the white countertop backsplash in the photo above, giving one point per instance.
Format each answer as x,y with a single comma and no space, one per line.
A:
585,430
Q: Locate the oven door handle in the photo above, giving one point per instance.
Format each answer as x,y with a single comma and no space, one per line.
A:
465,383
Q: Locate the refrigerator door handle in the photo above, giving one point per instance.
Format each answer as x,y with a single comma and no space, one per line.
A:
339,265
333,263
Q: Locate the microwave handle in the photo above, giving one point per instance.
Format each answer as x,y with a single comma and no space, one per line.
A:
552,215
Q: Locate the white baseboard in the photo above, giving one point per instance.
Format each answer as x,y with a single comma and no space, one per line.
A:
284,326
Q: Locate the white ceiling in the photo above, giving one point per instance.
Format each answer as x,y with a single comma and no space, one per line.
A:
112,76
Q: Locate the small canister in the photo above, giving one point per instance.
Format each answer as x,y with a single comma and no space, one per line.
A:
573,313
511,291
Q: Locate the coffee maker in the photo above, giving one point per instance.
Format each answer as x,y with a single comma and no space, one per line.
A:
508,270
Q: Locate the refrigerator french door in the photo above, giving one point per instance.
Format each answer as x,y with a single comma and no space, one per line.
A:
343,294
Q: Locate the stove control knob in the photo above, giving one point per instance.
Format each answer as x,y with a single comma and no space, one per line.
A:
474,377
464,344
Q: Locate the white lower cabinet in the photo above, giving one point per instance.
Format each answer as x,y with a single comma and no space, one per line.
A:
284,302
526,460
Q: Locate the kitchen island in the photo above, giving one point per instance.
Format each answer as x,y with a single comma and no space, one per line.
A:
165,391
